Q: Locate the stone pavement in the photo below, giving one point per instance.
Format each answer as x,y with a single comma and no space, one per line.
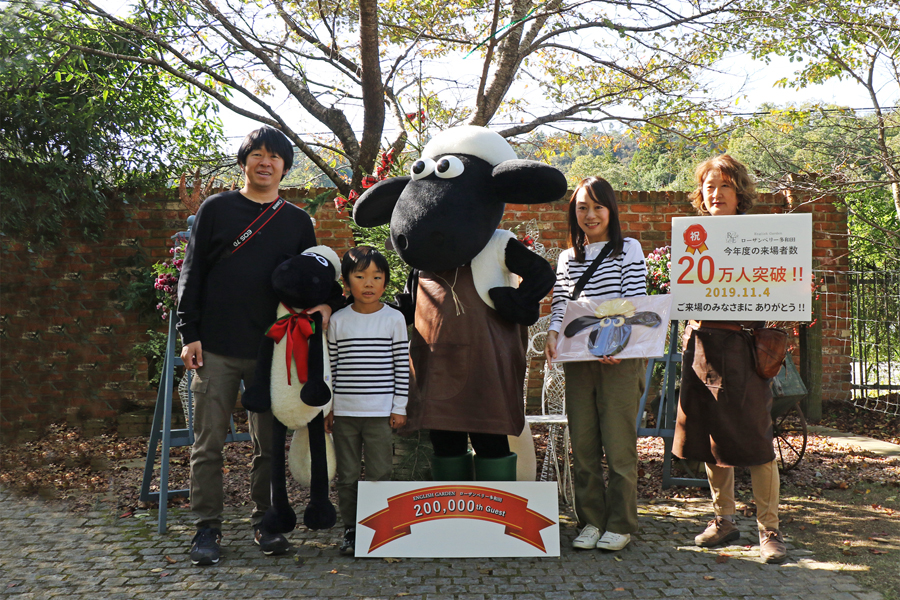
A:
846,440
46,553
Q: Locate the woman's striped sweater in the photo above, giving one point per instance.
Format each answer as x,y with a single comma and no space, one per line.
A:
619,277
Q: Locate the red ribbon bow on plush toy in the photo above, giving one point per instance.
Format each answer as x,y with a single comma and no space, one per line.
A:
297,327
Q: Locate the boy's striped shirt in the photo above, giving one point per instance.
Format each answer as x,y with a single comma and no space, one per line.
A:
369,362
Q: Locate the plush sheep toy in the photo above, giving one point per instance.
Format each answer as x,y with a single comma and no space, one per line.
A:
464,295
293,378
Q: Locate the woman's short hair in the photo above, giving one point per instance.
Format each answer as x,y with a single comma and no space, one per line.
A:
273,140
599,190
359,259
733,172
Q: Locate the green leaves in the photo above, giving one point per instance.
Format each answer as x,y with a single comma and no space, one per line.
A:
76,128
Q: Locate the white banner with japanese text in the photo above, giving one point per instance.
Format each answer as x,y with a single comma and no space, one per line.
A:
742,268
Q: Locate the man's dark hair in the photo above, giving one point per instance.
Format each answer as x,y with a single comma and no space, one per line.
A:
273,140
359,259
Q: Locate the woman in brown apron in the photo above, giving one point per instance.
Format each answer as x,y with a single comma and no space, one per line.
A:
724,409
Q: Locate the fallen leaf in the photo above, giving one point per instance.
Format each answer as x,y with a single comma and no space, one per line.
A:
127,513
880,539
722,558
617,559
170,560
848,552
618,589
163,574
486,571
877,551
708,577
803,528
157,570
333,571
391,560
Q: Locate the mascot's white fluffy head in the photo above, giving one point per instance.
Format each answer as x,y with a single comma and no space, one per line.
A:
470,139
329,255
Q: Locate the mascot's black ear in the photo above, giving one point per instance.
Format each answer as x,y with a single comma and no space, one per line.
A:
376,204
528,182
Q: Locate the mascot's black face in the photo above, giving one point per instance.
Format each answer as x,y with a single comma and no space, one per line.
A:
304,281
446,210
446,214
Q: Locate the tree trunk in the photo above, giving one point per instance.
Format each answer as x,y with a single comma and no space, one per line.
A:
372,90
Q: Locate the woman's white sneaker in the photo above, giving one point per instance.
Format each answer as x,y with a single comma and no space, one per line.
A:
613,541
587,539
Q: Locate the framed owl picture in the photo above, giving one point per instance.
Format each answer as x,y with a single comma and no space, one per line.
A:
632,327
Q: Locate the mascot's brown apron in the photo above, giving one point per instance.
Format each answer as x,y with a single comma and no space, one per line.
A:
724,409
467,370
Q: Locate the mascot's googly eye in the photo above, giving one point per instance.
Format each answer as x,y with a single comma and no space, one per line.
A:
619,321
606,322
421,168
322,260
448,167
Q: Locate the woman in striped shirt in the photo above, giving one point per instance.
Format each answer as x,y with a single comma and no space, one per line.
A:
602,396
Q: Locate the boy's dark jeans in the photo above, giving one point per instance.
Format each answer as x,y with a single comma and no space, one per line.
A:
351,435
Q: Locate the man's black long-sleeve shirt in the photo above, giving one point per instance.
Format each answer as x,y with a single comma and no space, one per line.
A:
226,300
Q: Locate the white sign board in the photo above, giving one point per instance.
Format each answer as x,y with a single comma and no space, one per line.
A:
457,519
742,268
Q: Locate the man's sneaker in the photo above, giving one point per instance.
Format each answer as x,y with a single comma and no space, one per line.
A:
613,541
587,539
205,549
270,543
771,546
348,546
719,531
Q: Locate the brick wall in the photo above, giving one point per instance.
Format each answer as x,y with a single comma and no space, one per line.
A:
66,339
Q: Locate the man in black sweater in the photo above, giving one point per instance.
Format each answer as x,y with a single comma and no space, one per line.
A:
225,305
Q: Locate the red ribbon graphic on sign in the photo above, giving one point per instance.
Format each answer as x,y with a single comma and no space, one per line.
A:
456,502
695,238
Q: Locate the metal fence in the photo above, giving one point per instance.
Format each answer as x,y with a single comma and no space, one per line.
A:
860,312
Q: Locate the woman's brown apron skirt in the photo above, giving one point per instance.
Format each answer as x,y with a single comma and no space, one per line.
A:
724,412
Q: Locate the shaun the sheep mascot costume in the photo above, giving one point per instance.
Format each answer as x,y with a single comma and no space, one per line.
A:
470,310
293,377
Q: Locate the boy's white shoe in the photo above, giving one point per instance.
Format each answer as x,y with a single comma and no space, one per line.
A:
587,539
613,541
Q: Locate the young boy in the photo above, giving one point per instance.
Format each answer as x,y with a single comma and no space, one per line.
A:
369,353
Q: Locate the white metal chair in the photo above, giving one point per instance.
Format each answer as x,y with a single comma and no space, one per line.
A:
556,465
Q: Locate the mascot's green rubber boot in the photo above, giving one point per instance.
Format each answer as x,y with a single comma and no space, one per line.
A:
453,468
496,469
